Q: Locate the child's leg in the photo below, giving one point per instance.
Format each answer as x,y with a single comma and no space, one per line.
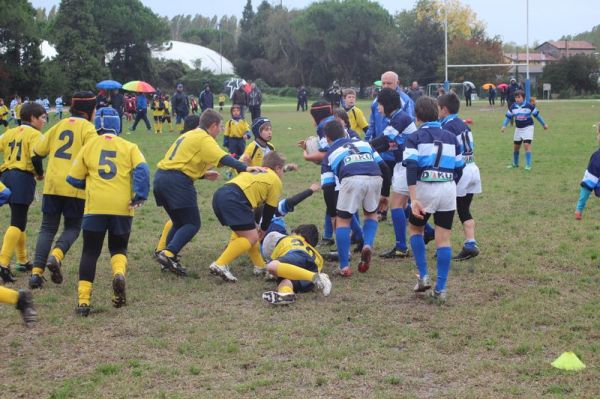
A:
18,222
92,246
516,149
117,245
342,237
417,244
463,207
9,296
528,155
48,229
245,240
186,223
21,249
327,228
163,240
443,225
398,204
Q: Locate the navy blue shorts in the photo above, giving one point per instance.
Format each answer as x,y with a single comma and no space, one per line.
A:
21,184
174,190
304,261
233,208
114,224
236,146
68,206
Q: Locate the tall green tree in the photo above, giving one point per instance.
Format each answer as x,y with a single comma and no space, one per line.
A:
578,74
20,55
129,31
80,48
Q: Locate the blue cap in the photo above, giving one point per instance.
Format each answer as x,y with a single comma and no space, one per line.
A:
107,121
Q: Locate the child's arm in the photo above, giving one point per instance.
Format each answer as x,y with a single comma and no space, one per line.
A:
536,114
287,205
507,120
584,195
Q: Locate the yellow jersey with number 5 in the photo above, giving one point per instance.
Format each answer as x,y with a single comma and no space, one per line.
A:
17,145
296,243
106,164
61,144
193,153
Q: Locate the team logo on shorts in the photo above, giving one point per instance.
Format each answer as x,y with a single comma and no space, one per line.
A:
436,176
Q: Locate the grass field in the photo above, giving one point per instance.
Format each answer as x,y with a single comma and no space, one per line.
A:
529,296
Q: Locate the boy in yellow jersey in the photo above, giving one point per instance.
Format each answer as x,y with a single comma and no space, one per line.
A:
116,179
158,112
4,113
237,131
234,206
296,263
61,144
358,122
167,116
189,158
21,299
261,146
19,172
221,101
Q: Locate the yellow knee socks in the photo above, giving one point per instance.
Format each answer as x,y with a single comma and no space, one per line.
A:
234,249
119,264
291,272
8,296
22,248
255,256
84,292
11,239
162,242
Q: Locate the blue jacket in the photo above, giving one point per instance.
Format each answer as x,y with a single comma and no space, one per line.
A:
206,100
142,102
378,122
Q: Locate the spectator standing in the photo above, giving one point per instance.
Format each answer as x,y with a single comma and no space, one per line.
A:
302,99
117,101
206,99
492,97
240,97
254,101
468,94
334,94
180,106
510,92
415,91
141,111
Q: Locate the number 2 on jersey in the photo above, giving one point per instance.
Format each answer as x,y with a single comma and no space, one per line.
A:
62,151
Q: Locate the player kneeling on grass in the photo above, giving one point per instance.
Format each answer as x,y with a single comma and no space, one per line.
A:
590,181
296,264
470,180
234,205
21,299
110,169
433,163
522,112
359,170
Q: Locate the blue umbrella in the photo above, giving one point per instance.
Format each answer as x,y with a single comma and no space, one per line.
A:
109,85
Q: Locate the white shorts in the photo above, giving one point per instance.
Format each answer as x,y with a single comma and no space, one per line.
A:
359,192
523,133
399,184
470,181
437,197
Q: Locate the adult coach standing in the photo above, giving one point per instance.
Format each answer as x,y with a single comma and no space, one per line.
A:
180,106
240,98
254,101
415,91
206,99
510,92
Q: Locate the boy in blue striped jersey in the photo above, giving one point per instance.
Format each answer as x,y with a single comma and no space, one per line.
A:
590,181
433,163
522,112
470,181
359,170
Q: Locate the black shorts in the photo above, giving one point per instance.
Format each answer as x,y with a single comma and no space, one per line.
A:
21,185
114,224
68,206
304,261
174,190
523,141
233,208
442,219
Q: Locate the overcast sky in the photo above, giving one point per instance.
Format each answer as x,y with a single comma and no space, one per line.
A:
548,19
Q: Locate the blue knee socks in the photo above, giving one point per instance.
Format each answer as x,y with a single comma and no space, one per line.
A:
399,221
327,227
528,158
444,256
516,158
417,245
369,231
357,232
342,237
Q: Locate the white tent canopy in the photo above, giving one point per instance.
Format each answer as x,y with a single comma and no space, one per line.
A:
187,53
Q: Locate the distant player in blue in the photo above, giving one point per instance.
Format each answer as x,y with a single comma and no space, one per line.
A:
470,181
58,103
590,181
523,113
434,163
359,170
400,126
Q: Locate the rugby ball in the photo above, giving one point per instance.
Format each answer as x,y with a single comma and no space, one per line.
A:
312,145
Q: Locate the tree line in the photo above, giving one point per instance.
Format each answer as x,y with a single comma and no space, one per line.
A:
351,41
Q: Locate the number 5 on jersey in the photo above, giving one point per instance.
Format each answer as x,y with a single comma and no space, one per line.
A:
105,161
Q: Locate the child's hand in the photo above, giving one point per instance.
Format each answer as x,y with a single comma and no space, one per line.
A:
290,167
502,129
546,127
578,215
315,187
136,203
383,204
256,169
302,144
39,178
417,209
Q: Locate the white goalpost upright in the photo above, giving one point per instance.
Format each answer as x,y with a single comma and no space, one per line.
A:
526,64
